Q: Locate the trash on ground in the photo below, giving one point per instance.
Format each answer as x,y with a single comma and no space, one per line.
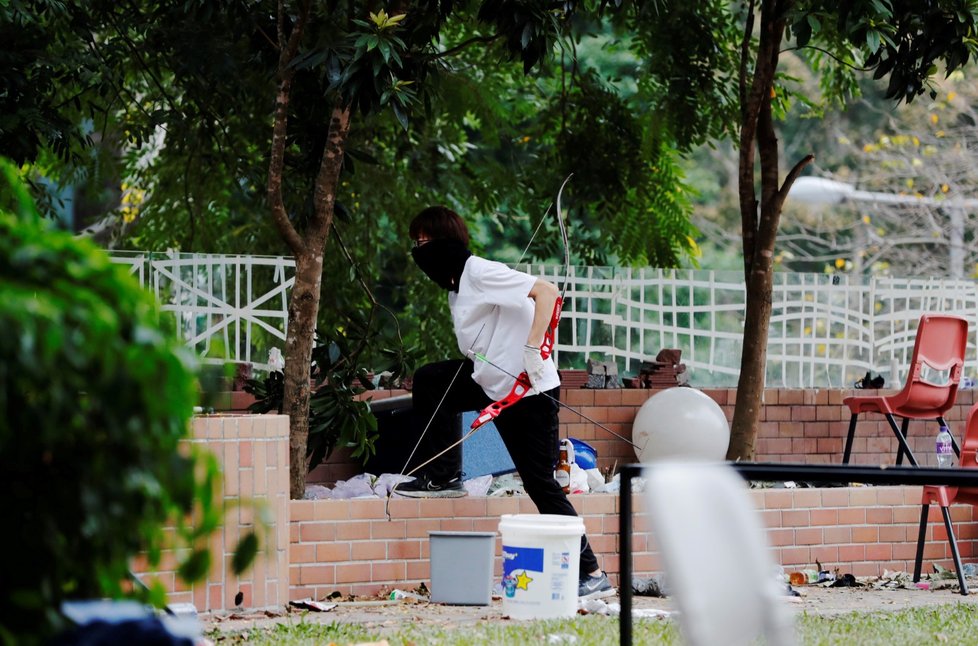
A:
508,484
598,607
845,581
399,595
647,587
478,486
312,604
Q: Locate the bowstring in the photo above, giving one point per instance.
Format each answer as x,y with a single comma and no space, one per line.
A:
557,401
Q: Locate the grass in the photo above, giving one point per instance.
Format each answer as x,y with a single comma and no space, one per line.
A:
946,624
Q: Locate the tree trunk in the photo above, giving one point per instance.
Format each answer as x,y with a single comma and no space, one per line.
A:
758,232
304,302
308,247
303,311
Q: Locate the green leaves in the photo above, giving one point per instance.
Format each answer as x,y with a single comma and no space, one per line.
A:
904,40
245,553
96,402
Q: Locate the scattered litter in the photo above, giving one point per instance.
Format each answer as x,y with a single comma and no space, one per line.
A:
923,585
598,607
595,479
652,613
317,492
366,485
312,604
578,480
941,579
969,570
638,485
943,573
398,595
647,587
845,581
478,486
386,481
509,484
358,486
803,577
561,639
182,609
275,359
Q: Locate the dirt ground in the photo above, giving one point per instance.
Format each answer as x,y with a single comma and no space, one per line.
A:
380,614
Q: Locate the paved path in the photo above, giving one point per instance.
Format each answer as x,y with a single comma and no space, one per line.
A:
391,614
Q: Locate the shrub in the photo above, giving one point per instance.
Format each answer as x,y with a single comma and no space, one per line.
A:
94,401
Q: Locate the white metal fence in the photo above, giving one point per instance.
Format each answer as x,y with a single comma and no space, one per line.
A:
825,331
227,308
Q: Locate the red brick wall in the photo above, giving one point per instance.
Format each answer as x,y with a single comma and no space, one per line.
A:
351,546
253,453
807,426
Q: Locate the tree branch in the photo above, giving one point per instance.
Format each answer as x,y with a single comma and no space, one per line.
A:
830,55
463,45
276,164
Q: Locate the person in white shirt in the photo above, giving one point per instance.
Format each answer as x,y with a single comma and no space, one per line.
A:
500,314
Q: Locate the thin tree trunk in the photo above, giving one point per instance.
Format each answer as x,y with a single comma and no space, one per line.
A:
758,230
307,247
304,301
303,311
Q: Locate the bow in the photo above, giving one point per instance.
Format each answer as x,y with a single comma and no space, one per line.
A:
522,385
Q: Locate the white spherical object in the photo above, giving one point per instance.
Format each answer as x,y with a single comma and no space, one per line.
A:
680,423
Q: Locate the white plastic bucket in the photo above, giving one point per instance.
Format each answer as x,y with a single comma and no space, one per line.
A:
541,563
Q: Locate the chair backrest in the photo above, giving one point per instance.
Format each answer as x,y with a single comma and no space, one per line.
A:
940,346
715,556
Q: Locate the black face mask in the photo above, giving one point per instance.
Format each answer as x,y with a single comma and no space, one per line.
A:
442,261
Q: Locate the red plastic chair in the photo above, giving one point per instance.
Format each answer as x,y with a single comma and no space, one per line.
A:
940,344
946,496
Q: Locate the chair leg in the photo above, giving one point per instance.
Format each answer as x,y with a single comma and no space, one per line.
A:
954,549
924,508
904,426
901,437
852,431
954,442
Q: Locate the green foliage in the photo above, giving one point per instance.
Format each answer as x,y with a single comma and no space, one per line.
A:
689,53
902,41
95,400
665,235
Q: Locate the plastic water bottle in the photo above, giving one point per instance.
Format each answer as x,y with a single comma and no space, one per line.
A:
945,452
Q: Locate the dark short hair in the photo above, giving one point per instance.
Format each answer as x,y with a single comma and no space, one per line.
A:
439,222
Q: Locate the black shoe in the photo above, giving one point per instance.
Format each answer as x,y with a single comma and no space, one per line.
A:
422,487
595,587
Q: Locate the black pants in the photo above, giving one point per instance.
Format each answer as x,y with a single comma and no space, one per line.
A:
528,428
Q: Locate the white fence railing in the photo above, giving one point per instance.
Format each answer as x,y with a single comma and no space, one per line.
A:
825,331
227,308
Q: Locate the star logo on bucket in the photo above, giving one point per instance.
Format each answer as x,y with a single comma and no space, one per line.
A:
523,581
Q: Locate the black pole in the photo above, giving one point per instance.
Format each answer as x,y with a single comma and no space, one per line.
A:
625,552
840,475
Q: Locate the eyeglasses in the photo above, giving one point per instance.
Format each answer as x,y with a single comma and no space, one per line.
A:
420,242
